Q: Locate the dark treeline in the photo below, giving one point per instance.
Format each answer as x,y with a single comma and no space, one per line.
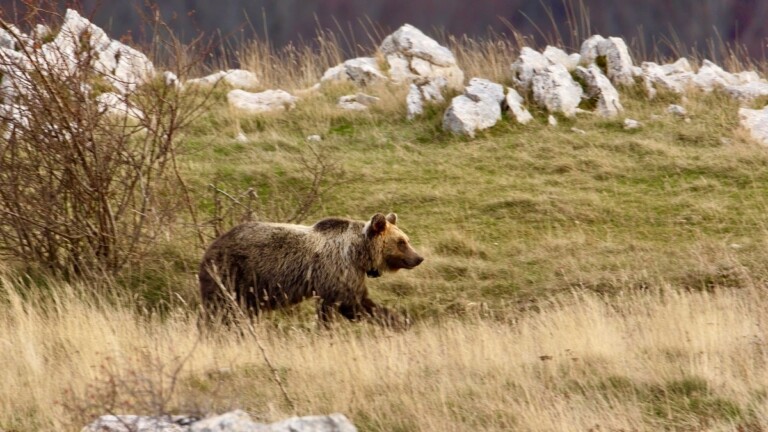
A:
644,24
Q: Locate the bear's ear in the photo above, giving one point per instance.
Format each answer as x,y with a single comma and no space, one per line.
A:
392,218
377,224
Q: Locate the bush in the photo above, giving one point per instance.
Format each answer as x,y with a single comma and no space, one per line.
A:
88,173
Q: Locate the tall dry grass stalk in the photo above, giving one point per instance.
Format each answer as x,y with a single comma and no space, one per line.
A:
640,361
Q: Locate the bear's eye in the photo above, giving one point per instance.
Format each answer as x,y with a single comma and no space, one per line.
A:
401,242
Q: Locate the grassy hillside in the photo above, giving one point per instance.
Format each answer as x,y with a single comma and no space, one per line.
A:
610,280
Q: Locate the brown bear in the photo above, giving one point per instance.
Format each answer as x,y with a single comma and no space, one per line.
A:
267,266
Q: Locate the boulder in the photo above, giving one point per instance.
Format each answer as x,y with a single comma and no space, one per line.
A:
480,89
477,109
677,110
711,76
611,54
599,88
674,77
555,90
551,120
206,81
465,116
171,80
514,103
631,124
746,93
124,67
7,40
756,123
421,92
117,105
270,100
234,421
412,54
241,79
414,102
557,56
357,102
362,71
236,78
529,63
132,423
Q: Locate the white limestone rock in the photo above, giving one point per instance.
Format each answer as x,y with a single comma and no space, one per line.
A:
466,116
132,423
612,52
482,89
514,103
400,69
422,92
7,40
266,101
171,80
677,111
314,138
362,71
117,105
423,56
206,81
599,88
236,78
756,123
711,76
336,73
552,120
357,102
746,93
674,77
525,67
241,79
631,124
414,102
124,67
590,50
558,56
411,42
555,90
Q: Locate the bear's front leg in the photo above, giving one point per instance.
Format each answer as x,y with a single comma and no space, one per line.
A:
383,316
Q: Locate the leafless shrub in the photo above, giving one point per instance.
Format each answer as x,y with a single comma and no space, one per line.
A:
88,176
317,173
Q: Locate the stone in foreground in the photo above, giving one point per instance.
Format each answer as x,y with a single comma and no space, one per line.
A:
234,421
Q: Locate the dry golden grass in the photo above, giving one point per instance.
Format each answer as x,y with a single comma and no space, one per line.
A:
650,360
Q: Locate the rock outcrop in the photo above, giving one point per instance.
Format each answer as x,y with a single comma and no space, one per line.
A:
412,55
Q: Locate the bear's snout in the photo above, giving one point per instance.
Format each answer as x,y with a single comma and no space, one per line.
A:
413,261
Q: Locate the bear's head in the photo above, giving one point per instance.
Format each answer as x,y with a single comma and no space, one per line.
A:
390,248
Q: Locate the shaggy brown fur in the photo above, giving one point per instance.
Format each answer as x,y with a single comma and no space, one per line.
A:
267,266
